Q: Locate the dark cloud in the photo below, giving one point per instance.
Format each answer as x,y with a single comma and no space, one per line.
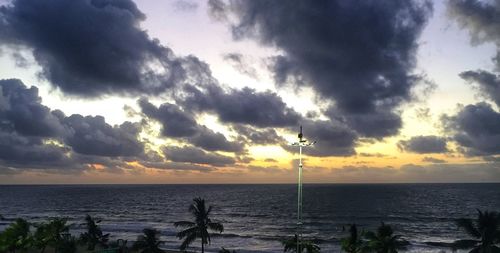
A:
197,156
177,123
333,139
480,18
476,128
432,160
21,111
31,152
359,54
424,144
212,141
93,136
373,125
34,137
241,64
93,47
259,136
246,106
488,83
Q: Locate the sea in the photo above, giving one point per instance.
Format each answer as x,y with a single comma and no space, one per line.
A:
258,217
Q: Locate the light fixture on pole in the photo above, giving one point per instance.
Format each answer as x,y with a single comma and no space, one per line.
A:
301,143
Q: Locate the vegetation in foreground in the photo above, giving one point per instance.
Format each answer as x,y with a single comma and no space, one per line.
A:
199,227
54,236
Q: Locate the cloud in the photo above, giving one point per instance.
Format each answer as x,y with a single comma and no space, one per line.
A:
98,49
333,139
241,64
481,19
183,5
424,144
376,124
177,123
93,136
217,9
197,156
32,136
476,128
177,166
431,173
357,54
245,106
258,136
21,111
432,160
488,83
379,155
31,152
212,141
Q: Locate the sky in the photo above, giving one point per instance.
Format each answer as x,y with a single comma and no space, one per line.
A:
184,91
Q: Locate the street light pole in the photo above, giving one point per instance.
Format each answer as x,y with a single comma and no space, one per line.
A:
301,143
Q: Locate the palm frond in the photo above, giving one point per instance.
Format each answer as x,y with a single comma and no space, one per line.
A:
465,244
187,232
468,226
184,224
215,226
189,239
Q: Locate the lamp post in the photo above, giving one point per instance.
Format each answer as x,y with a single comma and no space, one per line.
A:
301,143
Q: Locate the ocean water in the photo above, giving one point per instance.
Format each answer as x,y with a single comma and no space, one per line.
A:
257,217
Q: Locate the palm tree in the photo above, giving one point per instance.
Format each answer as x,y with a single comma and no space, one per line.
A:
486,231
16,237
291,245
149,242
384,241
199,228
50,234
353,243
94,235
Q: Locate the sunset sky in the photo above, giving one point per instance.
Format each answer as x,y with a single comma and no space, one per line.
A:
184,91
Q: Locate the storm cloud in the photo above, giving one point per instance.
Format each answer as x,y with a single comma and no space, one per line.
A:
92,47
358,54
424,144
476,128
